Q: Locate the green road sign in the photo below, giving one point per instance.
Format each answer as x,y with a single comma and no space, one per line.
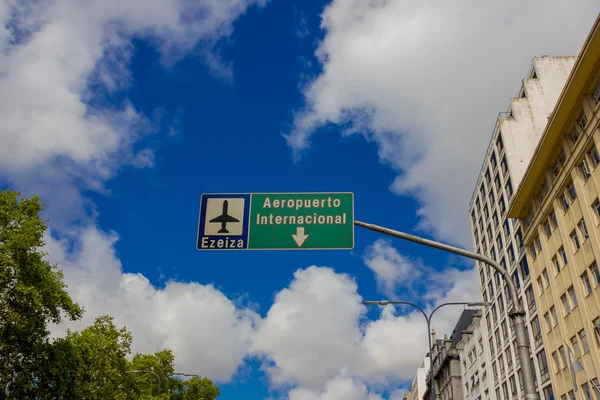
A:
276,221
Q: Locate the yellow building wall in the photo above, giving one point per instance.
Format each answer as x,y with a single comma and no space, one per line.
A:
587,309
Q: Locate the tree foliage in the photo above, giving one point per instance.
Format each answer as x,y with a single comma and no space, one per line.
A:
32,293
93,364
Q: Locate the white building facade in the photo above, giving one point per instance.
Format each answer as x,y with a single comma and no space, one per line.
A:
419,384
514,139
476,361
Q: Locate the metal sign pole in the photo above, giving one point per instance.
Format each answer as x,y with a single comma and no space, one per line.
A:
517,315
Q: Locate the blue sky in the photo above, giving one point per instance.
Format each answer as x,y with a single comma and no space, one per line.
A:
121,115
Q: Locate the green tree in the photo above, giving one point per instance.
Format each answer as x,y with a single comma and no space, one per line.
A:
91,364
160,365
100,352
200,389
32,295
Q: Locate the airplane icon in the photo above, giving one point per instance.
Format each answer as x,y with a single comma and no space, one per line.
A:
224,218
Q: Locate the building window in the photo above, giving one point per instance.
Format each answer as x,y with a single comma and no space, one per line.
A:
524,268
572,192
505,391
530,297
585,346
575,345
573,297
582,121
556,264
488,178
540,285
503,262
553,220
563,255
575,134
529,218
596,385
516,279
495,219
541,356
574,240
583,229
586,389
593,156
565,303
532,251
547,228
564,201
493,161
596,208
548,323
506,230
509,189
486,211
596,323
585,170
563,356
585,279
546,278
548,393
556,362
499,143
561,157
504,166
513,385
535,328
596,94
511,253
595,272
502,205
497,183
538,244
519,237
553,315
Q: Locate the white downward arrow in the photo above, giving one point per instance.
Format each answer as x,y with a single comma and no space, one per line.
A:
300,237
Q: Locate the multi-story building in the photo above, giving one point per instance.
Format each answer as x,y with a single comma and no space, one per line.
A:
445,362
513,142
558,206
475,361
419,383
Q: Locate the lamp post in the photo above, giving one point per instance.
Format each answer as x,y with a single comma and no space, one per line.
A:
517,315
428,319
160,380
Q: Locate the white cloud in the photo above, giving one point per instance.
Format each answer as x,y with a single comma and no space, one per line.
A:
311,330
398,274
338,388
56,57
314,340
207,332
315,332
391,268
426,80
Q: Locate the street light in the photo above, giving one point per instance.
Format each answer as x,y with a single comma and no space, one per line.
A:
517,316
428,319
160,380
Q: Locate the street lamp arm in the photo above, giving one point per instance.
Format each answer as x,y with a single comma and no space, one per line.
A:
386,302
517,315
